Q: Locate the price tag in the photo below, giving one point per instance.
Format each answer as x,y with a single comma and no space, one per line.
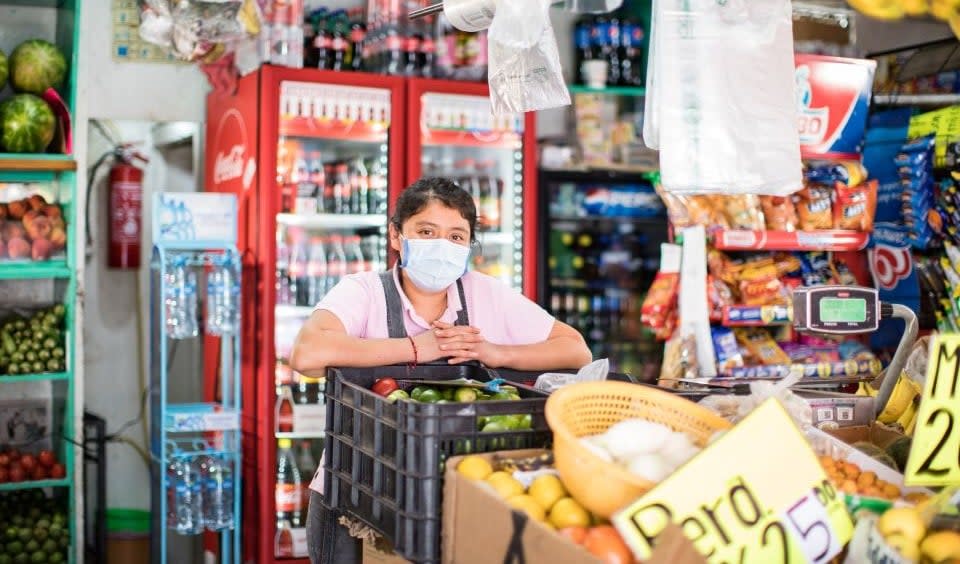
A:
935,453
778,507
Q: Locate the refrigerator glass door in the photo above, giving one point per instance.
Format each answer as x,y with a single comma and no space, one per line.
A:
460,139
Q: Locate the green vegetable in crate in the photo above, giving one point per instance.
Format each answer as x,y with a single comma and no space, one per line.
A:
33,345
27,124
36,65
429,395
465,395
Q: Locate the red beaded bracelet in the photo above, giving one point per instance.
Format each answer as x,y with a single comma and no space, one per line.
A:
416,355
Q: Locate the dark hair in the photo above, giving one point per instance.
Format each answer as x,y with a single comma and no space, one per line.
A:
419,194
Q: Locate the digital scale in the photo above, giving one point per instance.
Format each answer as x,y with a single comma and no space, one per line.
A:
837,310
855,310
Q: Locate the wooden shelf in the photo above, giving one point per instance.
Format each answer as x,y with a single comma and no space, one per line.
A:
37,162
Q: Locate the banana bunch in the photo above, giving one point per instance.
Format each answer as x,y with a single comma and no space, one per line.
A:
901,408
946,10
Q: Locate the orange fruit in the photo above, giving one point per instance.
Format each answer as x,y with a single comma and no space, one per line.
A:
605,543
576,534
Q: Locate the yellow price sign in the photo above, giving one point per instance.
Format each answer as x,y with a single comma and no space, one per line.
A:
944,123
758,494
935,453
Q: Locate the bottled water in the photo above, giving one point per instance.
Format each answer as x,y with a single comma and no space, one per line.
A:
180,299
188,495
222,301
190,325
217,475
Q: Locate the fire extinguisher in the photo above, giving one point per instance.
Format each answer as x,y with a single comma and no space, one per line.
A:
125,208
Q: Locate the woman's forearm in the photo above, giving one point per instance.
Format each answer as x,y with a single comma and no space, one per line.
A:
556,353
312,354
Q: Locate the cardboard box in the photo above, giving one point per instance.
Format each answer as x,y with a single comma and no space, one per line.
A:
372,555
876,433
842,410
479,528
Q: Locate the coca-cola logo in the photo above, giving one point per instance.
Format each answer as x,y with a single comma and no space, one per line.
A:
889,265
231,160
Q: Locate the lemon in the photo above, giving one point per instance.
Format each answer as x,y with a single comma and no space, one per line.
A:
942,546
906,547
547,489
566,512
528,505
505,484
903,521
475,467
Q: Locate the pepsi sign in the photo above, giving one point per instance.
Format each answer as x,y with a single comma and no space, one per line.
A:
833,99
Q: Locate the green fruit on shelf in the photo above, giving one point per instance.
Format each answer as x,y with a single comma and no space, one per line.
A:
417,392
465,395
430,395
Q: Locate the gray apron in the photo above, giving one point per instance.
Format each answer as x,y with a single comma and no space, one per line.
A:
396,328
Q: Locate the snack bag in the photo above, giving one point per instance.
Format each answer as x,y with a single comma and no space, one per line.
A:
719,296
855,206
761,286
814,208
743,212
761,345
660,300
727,351
779,212
850,173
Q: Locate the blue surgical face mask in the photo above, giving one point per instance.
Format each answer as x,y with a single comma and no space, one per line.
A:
433,264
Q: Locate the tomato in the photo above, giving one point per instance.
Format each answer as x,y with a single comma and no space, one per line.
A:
4,475
14,454
605,543
16,473
4,460
384,386
576,534
58,471
46,458
39,473
29,462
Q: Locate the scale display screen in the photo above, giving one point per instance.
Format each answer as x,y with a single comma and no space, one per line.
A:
843,310
836,309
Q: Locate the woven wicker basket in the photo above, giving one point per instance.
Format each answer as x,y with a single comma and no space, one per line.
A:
590,408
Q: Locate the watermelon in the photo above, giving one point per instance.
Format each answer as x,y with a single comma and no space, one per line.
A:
36,65
4,69
27,124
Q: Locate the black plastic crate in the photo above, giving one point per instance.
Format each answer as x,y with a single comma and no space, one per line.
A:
384,462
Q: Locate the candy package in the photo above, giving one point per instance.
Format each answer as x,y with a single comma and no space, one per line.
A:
742,211
727,350
850,173
760,285
719,296
779,213
918,203
814,209
661,299
855,206
761,345
687,211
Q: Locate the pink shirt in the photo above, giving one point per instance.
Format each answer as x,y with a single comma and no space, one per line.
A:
503,315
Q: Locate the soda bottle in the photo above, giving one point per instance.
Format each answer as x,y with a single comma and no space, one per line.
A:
631,60
371,250
283,542
339,43
318,179
341,188
298,269
284,296
489,195
322,41
426,61
378,186
289,493
411,50
316,271
394,63
357,45
469,181
336,262
329,205
582,41
307,466
217,475
612,46
355,259
284,410
362,187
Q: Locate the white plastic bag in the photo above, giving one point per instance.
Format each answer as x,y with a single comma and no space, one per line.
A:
596,371
721,105
524,63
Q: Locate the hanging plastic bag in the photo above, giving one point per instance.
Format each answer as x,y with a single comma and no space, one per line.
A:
596,371
721,106
524,73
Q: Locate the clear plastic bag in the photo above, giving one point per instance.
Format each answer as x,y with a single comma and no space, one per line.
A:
596,371
525,73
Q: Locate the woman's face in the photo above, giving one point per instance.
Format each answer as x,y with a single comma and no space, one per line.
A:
436,221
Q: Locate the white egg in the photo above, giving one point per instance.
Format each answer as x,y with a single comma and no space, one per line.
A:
678,449
593,444
649,467
632,437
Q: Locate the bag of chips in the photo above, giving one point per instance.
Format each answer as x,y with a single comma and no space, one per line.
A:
814,208
855,206
779,213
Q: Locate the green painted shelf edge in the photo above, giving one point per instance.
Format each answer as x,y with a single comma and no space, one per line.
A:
35,270
34,484
53,376
609,90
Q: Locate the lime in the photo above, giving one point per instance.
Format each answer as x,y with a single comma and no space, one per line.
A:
494,427
12,533
5,559
448,393
14,548
38,557
50,546
32,546
429,395
465,395
25,534
22,558
417,392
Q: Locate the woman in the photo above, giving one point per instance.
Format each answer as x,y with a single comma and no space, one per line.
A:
427,308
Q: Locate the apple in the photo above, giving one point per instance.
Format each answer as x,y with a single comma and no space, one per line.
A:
53,212
4,475
18,247
28,462
46,458
4,460
39,473
58,471
36,202
17,209
16,473
41,249
14,455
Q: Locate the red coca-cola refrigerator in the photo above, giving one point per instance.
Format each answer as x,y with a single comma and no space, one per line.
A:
317,159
